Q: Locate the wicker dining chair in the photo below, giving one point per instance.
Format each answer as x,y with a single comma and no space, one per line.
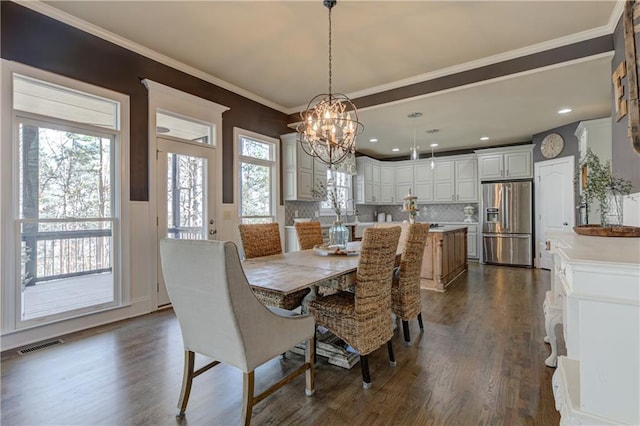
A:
363,318
263,239
309,234
406,302
260,239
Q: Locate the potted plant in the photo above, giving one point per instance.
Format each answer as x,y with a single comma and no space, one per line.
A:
602,189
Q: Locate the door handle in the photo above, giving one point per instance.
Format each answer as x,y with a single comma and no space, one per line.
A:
565,224
213,231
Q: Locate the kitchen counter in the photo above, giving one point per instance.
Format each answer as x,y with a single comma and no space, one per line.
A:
445,257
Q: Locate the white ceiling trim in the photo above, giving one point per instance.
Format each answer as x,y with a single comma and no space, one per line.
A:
489,60
149,53
80,24
492,80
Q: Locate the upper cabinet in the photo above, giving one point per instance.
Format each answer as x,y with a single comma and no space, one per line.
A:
301,173
456,180
505,163
416,176
367,181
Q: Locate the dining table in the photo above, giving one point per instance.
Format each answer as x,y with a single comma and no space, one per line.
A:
290,272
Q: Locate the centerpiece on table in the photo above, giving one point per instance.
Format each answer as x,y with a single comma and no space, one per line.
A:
601,188
409,205
338,233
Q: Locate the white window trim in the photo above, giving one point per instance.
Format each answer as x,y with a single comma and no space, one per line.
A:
169,100
8,200
350,205
237,133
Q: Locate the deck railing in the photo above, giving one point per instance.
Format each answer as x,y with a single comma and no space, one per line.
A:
62,254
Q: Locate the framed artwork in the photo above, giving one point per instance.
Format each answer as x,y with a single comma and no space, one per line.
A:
631,21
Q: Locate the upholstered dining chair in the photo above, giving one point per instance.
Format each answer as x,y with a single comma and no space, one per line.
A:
363,318
263,239
309,234
220,318
406,302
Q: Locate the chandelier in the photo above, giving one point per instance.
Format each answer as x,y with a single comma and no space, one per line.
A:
329,125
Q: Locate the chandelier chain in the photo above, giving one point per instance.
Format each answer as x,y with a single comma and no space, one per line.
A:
330,74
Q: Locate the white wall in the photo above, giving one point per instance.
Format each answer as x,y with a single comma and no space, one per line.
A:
631,210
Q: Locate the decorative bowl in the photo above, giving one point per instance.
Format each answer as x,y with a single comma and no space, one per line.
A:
609,231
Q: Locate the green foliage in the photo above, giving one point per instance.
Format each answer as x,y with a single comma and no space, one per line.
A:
600,184
331,194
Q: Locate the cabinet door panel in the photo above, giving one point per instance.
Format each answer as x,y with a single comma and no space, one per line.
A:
518,165
444,175
490,166
423,187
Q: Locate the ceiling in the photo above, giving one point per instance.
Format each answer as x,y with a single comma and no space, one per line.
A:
276,52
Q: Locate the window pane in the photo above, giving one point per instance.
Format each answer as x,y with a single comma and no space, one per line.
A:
184,129
186,200
255,190
257,149
63,173
66,266
50,100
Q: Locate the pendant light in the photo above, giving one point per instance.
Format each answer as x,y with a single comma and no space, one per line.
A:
433,164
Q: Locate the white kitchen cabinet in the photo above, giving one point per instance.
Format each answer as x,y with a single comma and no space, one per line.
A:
404,180
301,172
505,163
367,181
456,180
423,181
388,184
319,178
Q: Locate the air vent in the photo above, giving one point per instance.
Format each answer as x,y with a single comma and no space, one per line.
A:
40,346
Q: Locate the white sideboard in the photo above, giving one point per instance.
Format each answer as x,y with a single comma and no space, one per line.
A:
595,294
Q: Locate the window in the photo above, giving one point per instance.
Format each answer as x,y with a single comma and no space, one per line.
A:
67,201
256,178
343,192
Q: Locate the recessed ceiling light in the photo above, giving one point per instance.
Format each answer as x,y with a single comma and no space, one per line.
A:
434,144
395,149
484,138
564,111
373,140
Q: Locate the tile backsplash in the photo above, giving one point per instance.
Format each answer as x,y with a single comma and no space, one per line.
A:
427,212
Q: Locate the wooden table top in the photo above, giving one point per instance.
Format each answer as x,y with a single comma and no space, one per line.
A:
290,272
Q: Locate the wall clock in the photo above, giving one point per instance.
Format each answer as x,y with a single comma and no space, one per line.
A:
552,145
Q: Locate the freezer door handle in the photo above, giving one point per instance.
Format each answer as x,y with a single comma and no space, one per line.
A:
507,235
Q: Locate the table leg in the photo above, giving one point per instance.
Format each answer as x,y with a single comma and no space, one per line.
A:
313,294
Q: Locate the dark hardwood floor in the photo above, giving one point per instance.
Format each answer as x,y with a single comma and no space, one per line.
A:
480,361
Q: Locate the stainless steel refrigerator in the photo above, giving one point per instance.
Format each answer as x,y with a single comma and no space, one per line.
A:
507,224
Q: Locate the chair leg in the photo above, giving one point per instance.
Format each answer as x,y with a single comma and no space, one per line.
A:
420,321
364,365
405,330
315,345
187,380
309,355
392,358
247,397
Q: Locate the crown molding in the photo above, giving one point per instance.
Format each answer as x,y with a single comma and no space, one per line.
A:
97,31
489,60
82,25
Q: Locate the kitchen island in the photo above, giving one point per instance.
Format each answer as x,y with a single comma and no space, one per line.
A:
445,257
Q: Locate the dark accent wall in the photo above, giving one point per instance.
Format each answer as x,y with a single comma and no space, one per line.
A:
571,145
625,161
558,55
34,39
